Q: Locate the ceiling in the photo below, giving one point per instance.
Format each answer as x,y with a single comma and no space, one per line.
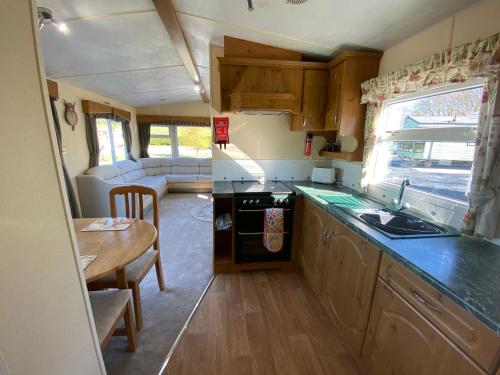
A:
120,48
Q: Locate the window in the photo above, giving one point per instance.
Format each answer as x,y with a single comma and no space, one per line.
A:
187,141
160,145
195,142
111,143
430,139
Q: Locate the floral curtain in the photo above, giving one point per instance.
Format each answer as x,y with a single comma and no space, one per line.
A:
484,211
456,65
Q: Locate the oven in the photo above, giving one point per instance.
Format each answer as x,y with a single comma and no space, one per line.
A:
249,225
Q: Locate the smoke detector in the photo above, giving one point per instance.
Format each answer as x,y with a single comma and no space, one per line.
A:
46,16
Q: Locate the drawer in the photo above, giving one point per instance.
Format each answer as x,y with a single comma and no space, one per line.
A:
460,326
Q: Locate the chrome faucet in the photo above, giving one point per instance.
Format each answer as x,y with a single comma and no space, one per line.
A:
398,204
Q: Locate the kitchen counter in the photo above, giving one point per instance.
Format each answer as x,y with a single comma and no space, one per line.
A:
465,269
222,189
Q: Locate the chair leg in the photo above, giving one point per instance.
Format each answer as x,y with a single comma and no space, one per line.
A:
130,327
136,294
159,274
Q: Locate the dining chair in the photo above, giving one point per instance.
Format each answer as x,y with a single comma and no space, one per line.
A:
135,272
109,307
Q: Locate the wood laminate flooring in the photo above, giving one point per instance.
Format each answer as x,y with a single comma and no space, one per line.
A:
260,323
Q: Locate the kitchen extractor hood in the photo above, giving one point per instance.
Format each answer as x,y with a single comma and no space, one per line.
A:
260,112
263,103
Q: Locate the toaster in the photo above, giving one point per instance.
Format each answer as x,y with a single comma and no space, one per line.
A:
323,175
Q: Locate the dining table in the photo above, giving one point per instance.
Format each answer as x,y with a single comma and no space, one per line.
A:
114,249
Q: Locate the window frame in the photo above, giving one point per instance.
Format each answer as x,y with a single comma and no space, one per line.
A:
172,135
174,141
381,189
112,140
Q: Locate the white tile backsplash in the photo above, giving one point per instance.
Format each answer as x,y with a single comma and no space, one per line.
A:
244,169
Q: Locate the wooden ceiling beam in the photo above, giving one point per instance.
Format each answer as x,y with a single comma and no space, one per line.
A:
169,18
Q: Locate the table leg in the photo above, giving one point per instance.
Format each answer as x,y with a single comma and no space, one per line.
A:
121,279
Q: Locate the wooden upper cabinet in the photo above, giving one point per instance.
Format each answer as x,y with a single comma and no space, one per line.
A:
313,246
314,96
334,103
401,341
350,273
344,113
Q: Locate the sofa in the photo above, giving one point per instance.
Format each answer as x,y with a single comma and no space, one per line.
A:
162,174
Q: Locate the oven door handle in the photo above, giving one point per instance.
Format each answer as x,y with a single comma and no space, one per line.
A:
253,233
260,210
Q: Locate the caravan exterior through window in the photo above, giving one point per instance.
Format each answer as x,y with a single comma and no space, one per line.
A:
430,139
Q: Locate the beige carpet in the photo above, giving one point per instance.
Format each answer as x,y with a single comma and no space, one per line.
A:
186,250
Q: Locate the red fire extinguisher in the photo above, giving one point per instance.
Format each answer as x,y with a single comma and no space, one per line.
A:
309,138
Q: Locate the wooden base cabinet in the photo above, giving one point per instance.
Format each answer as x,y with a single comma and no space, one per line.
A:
350,273
314,244
400,340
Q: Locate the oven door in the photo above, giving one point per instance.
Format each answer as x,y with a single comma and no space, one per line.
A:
250,236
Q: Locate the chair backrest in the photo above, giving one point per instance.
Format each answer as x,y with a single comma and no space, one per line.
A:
130,192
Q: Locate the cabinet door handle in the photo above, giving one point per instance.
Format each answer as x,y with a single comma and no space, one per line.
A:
303,120
421,300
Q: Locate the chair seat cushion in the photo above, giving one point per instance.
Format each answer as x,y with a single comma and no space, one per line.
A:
107,306
136,270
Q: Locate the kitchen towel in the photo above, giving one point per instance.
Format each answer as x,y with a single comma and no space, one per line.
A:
273,229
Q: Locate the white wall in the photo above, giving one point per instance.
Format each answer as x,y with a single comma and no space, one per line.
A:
76,153
44,322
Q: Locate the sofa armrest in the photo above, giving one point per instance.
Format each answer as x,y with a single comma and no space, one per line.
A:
93,192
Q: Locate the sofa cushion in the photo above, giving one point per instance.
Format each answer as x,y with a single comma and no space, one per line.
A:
104,171
128,165
204,178
150,162
165,162
134,175
206,170
185,170
185,162
205,162
182,178
159,183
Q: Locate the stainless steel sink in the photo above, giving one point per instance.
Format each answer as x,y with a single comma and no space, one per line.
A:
393,224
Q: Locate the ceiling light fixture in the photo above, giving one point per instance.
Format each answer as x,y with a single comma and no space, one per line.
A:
46,16
295,2
250,5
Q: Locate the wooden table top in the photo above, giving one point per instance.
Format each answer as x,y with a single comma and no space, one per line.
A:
114,249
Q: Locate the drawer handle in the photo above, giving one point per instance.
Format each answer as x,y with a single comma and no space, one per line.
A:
420,299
